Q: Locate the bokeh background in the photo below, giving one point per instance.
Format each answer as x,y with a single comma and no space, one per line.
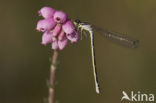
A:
24,62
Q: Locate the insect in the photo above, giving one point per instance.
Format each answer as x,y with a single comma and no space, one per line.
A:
115,37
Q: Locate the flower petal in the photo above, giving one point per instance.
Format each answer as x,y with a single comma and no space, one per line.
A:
62,43
68,27
73,37
46,38
46,12
57,29
60,17
45,24
55,45
61,35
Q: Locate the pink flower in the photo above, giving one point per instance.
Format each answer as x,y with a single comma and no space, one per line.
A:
73,37
45,24
46,12
68,27
46,38
62,43
61,35
55,45
60,17
57,29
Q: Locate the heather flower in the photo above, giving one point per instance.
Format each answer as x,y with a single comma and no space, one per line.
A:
55,45
46,12
46,38
68,27
62,43
60,17
73,37
61,35
57,29
45,24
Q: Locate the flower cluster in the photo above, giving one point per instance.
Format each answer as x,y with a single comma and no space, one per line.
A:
57,28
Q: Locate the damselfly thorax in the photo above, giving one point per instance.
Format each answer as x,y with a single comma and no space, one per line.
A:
82,28
115,37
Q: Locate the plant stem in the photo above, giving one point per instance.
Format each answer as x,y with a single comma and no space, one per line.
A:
52,76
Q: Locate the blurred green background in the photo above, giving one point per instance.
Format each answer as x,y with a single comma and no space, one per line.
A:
24,62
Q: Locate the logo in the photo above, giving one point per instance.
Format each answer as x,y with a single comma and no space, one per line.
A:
138,96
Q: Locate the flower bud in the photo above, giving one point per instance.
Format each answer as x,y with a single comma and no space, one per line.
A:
46,12
60,17
45,24
57,30
54,45
63,43
61,35
46,38
68,27
73,37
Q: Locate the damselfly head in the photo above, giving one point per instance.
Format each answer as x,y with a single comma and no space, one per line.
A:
77,22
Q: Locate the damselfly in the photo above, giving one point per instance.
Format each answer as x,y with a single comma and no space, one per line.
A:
115,37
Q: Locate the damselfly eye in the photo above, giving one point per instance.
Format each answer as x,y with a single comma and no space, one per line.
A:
77,21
